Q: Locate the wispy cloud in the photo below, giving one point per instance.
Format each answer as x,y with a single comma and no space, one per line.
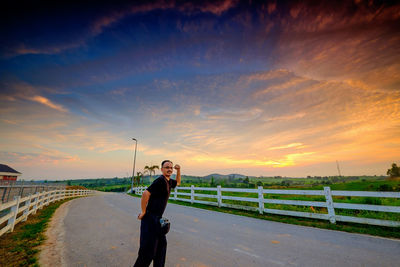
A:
296,145
343,44
45,101
238,115
23,91
35,158
100,23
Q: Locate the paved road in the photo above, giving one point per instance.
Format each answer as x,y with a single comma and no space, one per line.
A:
103,231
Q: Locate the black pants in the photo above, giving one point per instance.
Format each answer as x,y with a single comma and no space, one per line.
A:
153,244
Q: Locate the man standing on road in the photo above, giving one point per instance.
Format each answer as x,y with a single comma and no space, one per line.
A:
153,243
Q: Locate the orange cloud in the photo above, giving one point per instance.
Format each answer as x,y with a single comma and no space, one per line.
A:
45,101
296,145
36,158
271,7
215,7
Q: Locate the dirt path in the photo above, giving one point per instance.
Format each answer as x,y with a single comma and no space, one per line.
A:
52,251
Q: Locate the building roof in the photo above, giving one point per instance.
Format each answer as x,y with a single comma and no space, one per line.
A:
5,168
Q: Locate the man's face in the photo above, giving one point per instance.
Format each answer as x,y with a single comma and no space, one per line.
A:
167,169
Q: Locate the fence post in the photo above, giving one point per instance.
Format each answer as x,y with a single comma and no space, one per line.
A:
329,204
192,194
36,202
14,209
45,197
48,196
260,200
42,199
219,196
176,193
26,212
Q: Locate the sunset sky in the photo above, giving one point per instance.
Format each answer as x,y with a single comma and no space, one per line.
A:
251,87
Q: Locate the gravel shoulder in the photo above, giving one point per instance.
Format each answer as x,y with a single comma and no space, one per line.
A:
52,250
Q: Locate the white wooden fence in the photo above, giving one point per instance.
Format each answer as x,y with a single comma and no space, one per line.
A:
263,194
19,209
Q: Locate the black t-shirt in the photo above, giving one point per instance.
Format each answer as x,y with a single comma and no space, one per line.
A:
159,190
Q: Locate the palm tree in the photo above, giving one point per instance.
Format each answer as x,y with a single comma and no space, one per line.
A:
151,170
139,176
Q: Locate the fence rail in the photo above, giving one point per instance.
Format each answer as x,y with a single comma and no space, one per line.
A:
20,208
15,188
329,204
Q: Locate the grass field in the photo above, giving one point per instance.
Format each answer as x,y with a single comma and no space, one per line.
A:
113,188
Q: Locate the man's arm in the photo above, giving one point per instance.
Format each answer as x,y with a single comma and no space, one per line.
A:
178,174
143,203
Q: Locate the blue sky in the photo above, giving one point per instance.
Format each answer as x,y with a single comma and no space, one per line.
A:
258,88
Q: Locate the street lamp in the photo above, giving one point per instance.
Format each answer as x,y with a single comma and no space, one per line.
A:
134,162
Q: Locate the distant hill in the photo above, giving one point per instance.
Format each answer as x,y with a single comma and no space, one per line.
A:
223,176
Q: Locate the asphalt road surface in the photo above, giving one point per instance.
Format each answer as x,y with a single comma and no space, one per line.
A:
103,231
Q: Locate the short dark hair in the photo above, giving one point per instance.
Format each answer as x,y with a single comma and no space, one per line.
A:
162,163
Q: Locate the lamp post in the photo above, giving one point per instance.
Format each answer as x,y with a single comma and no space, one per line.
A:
134,162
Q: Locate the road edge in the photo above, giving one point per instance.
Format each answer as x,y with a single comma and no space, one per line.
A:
52,250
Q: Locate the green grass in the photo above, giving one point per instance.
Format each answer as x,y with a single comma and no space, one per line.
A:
378,185
113,188
19,248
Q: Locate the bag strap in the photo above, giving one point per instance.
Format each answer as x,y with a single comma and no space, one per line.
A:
168,186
